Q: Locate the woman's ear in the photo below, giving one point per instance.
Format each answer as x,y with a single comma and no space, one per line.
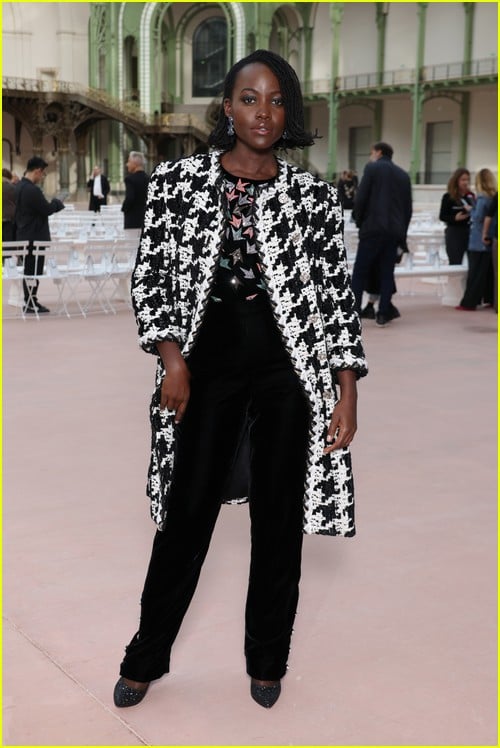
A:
227,107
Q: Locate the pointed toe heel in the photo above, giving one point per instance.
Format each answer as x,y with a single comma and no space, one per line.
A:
265,696
125,695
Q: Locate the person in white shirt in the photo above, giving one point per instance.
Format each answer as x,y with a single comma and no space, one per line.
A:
98,187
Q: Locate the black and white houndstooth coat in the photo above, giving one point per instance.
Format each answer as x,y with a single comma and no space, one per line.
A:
298,224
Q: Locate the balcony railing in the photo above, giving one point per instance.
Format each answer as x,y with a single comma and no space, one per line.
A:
404,77
174,121
97,95
458,70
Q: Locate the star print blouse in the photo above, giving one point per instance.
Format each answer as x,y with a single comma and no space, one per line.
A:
239,274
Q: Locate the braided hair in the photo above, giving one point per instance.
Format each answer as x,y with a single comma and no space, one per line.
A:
297,136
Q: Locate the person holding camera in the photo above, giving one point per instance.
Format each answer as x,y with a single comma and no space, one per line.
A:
32,223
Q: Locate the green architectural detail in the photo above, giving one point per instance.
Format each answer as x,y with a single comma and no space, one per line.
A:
377,119
165,34
464,129
418,96
336,13
469,30
381,20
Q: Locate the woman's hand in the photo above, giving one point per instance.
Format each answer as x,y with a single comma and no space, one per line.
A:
343,424
175,388
175,391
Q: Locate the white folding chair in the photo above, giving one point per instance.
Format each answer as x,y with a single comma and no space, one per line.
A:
13,254
125,253
65,268
34,261
97,271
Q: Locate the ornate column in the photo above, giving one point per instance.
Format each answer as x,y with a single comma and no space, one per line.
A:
469,30
418,96
63,158
81,167
264,24
336,13
464,129
381,19
377,119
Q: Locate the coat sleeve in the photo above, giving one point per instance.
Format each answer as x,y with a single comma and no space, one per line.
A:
39,204
362,195
341,324
446,212
128,202
155,286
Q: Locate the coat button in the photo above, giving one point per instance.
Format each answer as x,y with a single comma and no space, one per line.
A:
327,395
282,197
322,357
305,277
313,318
296,237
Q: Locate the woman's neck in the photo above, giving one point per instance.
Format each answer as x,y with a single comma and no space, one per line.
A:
249,164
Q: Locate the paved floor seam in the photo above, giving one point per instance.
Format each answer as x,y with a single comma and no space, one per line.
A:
63,670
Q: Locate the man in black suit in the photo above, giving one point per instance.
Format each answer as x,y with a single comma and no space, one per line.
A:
382,211
98,187
136,188
32,223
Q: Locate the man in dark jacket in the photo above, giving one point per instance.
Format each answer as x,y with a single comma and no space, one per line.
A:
32,223
98,187
136,190
382,211
8,206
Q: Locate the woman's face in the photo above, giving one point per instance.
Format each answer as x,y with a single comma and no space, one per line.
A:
257,107
463,184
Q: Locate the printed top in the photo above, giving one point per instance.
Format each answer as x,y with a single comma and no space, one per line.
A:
239,273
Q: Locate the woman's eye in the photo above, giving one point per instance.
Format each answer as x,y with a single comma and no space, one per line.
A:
278,101
248,99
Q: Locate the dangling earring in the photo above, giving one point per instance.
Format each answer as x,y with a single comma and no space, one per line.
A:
285,135
230,126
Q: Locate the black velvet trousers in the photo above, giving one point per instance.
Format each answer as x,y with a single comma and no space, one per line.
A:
240,370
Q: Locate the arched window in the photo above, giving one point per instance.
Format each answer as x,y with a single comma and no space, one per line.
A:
209,57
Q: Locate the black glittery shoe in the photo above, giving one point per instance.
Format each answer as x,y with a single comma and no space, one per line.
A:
124,695
266,696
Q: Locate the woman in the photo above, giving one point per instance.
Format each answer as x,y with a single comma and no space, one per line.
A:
479,286
347,186
241,289
456,206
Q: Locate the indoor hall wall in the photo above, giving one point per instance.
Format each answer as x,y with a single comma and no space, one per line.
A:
401,36
48,36
485,31
483,141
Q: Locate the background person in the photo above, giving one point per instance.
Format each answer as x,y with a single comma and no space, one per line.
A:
382,211
276,330
8,206
456,207
32,223
98,187
490,236
347,186
136,188
479,285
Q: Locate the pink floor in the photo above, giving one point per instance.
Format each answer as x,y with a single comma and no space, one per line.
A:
395,639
